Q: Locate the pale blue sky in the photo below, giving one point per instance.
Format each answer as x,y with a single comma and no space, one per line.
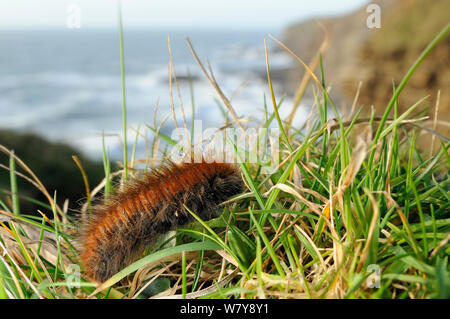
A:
171,13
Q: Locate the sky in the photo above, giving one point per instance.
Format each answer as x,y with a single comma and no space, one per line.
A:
169,13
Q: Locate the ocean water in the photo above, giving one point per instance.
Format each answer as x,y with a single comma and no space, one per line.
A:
65,84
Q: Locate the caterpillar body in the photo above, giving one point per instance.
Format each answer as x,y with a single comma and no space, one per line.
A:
116,233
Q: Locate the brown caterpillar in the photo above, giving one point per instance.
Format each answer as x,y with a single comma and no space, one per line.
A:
116,233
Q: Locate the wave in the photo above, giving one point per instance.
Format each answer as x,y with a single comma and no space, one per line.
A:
76,106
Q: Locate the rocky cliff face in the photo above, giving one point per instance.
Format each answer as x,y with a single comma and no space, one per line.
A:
379,56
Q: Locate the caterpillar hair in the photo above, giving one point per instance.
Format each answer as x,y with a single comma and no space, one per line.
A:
116,233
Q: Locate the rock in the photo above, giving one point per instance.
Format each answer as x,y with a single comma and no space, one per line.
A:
379,56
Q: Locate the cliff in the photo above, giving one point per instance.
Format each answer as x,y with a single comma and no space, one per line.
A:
379,56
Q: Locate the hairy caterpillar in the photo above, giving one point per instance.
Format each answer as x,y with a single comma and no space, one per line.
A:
117,232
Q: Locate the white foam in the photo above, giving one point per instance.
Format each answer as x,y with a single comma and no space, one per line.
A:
76,107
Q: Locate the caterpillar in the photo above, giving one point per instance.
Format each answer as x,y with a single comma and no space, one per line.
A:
117,232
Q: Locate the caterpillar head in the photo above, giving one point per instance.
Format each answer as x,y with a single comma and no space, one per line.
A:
227,184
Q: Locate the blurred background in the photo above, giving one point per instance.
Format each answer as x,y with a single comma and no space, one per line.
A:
60,84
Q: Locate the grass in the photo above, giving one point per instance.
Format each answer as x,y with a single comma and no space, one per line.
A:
349,213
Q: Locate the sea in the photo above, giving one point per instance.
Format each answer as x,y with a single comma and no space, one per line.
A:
65,84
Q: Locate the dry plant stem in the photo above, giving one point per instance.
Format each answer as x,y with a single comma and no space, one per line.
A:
308,70
38,258
239,89
440,245
173,73
85,179
299,93
98,189
39,185
13,276
335,127
19,269
172,104
153,278
308,238
355,100
205,291
156,138
436,112
29,180
213,82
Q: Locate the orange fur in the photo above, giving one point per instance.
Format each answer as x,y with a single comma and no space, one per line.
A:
118,231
